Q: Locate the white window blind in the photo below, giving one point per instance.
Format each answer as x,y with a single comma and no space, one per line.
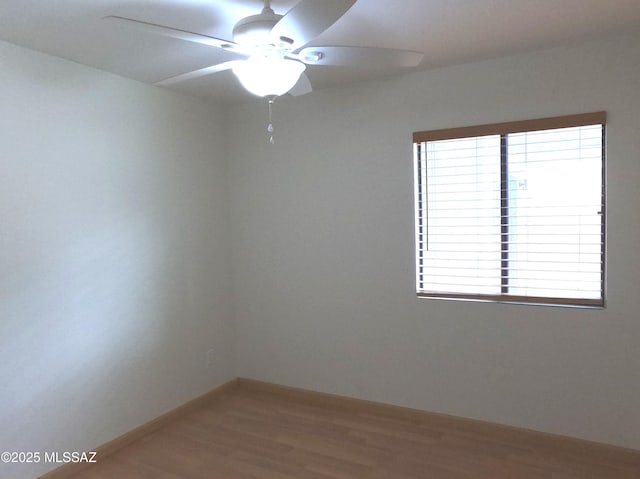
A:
512,212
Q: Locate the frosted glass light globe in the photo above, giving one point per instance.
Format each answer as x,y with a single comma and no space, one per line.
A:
268,76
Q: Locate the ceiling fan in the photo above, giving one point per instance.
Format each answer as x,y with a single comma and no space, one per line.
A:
272,52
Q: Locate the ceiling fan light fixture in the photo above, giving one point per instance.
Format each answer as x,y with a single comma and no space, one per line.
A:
268,76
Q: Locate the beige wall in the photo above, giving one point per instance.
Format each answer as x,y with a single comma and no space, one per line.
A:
322,229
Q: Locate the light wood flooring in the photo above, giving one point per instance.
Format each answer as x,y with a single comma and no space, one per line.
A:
259,431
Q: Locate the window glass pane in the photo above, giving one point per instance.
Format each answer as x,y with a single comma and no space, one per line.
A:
461,253
554,199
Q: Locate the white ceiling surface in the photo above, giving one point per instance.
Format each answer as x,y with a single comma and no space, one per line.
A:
447,31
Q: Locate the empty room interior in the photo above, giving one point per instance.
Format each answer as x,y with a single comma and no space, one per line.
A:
208,272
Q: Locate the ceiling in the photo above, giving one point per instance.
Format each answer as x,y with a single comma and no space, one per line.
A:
447,31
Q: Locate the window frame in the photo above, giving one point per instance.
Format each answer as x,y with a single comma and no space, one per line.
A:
506,128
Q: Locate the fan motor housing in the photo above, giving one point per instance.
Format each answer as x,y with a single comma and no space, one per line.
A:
256,29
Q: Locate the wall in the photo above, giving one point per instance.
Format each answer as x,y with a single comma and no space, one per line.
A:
113,251
322,228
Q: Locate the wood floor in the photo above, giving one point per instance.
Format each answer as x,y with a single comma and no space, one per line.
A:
258,431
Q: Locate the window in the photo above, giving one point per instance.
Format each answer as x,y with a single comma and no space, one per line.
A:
512,212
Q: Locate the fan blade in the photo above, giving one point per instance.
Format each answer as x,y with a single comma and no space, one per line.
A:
302,87
198,73
176,33
308,19
366,57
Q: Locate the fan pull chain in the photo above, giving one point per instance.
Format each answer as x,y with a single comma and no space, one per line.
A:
270,125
